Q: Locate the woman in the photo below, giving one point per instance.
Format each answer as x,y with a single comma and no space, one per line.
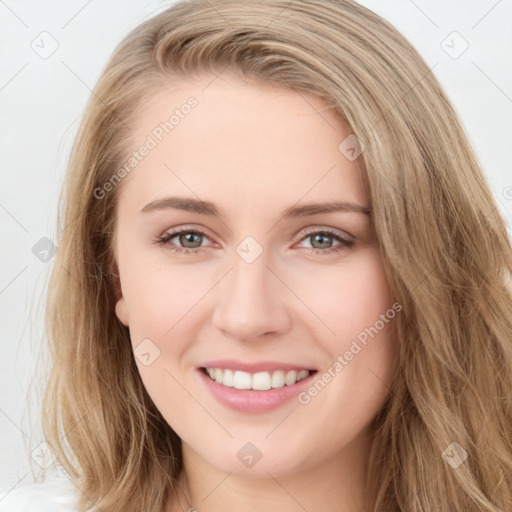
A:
282,281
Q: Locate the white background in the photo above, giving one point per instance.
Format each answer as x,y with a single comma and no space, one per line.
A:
41,101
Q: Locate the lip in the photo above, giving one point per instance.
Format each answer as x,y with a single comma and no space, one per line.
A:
252,367
253,401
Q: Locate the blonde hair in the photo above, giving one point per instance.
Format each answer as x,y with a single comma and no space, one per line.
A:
444,247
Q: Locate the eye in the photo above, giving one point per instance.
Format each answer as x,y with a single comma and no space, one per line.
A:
191,239
321,241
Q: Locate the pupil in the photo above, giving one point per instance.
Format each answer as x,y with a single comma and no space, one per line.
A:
189,237
325,238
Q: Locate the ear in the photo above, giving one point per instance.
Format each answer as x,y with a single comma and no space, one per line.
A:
121,308
122,311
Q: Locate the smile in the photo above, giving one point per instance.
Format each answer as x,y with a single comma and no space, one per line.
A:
260,381
254,387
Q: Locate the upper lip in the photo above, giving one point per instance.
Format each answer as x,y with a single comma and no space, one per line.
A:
252,367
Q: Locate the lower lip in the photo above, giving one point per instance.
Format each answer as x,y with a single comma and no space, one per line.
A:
251,401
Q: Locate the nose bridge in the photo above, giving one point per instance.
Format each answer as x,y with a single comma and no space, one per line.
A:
250,303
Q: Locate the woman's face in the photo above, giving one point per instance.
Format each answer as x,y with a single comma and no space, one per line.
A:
267,278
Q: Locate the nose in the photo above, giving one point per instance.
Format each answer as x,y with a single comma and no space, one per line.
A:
252,301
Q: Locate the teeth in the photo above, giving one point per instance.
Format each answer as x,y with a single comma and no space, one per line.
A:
291,378
302,375
242,380
278,379
260,381
228,379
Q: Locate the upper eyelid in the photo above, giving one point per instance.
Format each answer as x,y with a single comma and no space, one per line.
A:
180,229
329,230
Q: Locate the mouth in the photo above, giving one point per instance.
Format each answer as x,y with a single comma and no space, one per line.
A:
255,392
257,381
253,387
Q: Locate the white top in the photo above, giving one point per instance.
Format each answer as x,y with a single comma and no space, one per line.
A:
56,495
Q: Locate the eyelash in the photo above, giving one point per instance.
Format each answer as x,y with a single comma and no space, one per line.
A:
344,242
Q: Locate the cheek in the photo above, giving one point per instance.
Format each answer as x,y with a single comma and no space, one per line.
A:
343,301
347,298
331,305
357,336
164,303
161,315
160,297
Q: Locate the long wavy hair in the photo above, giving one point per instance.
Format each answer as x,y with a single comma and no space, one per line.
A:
444,246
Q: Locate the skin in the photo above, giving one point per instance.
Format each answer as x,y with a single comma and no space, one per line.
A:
254,151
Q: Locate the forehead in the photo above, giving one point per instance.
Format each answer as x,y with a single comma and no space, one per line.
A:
239,142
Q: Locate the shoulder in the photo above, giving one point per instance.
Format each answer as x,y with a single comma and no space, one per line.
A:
57,495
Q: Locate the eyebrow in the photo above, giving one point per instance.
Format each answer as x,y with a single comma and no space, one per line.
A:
208,208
